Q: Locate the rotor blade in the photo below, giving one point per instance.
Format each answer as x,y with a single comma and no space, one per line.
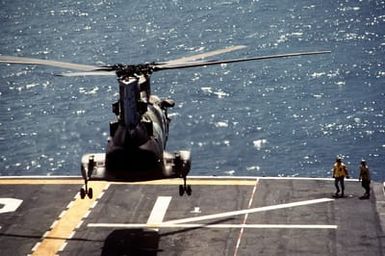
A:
209,63
203,55
33,61
88,73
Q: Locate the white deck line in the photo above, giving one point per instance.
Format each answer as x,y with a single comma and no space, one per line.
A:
159,210
182,222
245,218
253,210
218,226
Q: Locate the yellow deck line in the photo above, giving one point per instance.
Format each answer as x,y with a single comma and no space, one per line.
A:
41,182
65,226
191,181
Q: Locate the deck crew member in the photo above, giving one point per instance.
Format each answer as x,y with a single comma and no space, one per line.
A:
365,179
340,171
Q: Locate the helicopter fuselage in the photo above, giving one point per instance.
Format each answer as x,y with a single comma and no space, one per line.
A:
136,146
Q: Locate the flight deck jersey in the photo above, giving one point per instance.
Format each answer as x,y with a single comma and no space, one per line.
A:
364,173
339,170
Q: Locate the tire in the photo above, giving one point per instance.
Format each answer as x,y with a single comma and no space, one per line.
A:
82,193
90,193
181,190
188,190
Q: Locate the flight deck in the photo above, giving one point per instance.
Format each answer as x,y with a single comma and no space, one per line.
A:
223,216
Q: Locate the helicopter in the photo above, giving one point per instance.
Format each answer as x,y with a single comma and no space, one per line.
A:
136,146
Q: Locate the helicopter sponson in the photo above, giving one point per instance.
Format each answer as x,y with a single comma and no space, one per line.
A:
175,165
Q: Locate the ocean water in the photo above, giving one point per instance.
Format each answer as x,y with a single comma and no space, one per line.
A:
285,117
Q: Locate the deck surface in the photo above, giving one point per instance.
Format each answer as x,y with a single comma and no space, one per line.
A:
223,216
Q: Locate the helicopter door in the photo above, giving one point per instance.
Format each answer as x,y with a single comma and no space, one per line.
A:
129,97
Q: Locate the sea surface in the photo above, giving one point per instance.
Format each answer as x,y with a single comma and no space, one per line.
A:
282,117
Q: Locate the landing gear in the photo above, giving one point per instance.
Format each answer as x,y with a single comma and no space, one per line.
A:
86,192
185,188
182,164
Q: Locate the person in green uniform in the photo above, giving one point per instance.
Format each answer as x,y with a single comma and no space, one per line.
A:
365,179
340,171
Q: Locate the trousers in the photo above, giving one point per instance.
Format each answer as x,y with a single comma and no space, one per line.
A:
339,181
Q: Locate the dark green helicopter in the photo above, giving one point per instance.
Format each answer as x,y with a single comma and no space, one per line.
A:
136,147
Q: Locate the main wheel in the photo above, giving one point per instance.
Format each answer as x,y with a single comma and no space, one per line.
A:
90,193
82,193
188,190
181,190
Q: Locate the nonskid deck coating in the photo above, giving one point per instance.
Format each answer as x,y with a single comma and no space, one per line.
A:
224,216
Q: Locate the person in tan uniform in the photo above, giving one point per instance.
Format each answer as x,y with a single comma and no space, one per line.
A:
365,179
340,171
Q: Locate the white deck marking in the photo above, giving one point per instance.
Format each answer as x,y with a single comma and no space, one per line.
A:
245,218
36,246
218,226
61,249
9,204
252,210
196,210
159,211
155,219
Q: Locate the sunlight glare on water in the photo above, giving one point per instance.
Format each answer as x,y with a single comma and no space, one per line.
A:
287,117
